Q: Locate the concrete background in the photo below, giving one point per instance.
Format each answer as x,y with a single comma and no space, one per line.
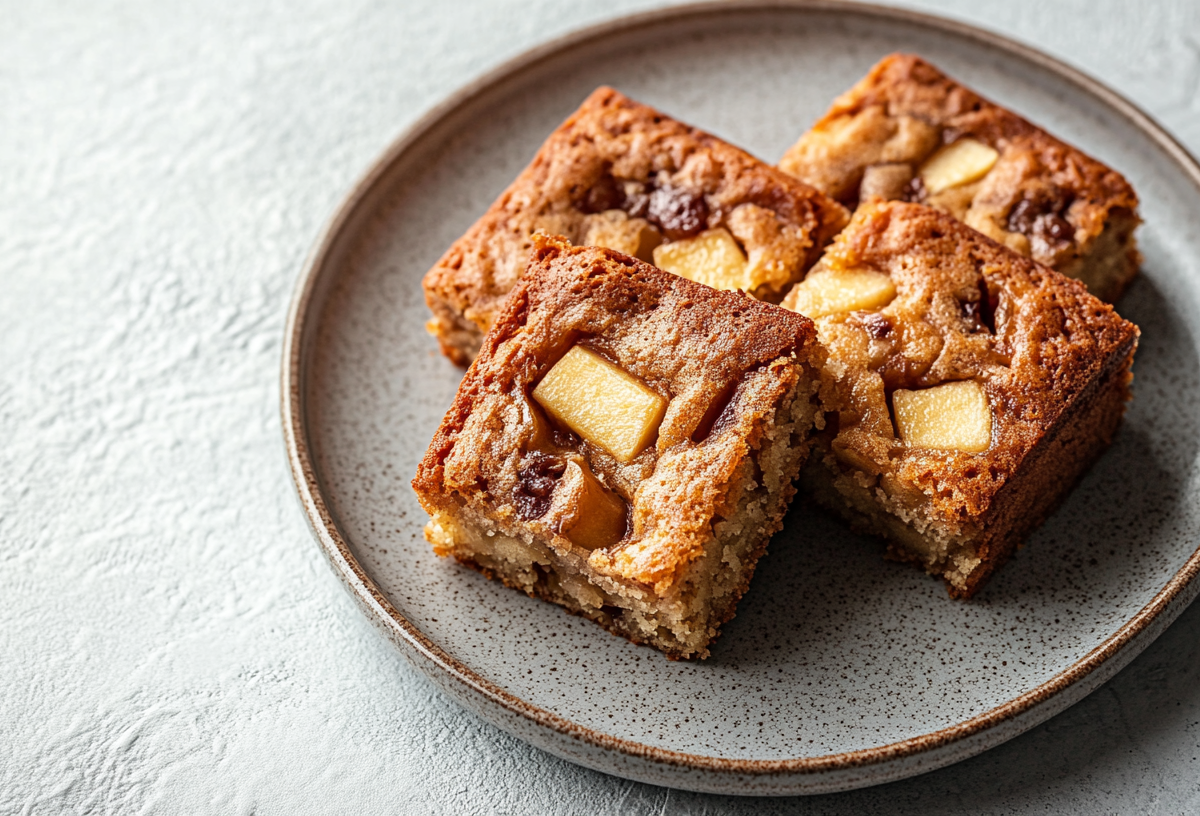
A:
171,640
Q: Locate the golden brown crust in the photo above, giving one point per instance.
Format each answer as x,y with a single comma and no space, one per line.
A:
1043,198
1045,351
616,154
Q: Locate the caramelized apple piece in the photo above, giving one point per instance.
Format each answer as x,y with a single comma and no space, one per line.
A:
605,405
887,181
540,432
593,516
712,258
962,162
954,416
614,229
829,291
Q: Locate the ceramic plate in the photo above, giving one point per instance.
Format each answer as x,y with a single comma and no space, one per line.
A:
841,669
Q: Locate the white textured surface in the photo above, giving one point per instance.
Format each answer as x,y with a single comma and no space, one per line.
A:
170,637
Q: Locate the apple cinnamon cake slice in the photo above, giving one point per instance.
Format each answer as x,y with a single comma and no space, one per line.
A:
625,444
621,175
907,131
968,387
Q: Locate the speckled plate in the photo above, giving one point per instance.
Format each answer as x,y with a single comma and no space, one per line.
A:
841,669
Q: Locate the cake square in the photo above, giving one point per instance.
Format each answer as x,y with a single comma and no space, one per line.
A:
624,444
622,175
907,131
968,388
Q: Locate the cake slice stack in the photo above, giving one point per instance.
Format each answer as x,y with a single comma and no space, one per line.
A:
626,440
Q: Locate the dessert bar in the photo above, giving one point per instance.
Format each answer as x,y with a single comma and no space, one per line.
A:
624,444
968,386
624,176
909,132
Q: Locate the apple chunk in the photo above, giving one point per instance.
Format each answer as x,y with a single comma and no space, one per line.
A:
712,258
887,181
593,517
954,416
829,291
614,229
605,405
962,162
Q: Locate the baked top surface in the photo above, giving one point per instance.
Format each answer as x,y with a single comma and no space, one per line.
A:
905,108
723,360
616,154
965,308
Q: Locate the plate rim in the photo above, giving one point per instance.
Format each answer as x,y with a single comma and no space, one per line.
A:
294,414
